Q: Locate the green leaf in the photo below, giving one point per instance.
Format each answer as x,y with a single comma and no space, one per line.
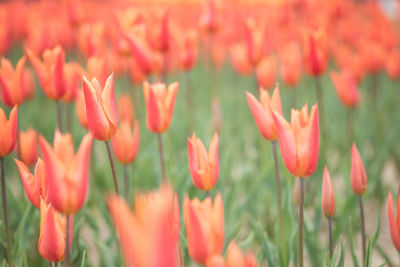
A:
83,263
353,253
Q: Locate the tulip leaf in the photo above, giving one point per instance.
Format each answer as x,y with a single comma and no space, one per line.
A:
83,263
352,250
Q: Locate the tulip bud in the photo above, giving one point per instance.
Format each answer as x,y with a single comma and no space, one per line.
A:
393,223
125,108
8,133
203,166
315,52
290,64
13,89
28,147
358,175
81,109
204,222
73,73
125,144
266,72
101,108
346,88
328,202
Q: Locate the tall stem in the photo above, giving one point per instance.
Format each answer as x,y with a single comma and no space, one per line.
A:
59,116
278,192
350,125
68,111
330,238
67,255
114,174
320,108
360,202
161,153
301,219
126,181
5,212
189,101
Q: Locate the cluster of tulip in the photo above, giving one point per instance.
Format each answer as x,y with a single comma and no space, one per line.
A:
152,43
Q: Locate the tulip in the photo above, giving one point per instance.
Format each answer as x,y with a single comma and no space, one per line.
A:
266,72
240,62
188,51
152,229
262,111
359,185
13,88
392,65
160,103
67,173
52,238
27,147
254,41
81,109
126,110
328,204
315,52
101,108
299,140
234,258
393,223
203,166
290,64
209,20
204,222
346,87
35,185
73,73
8,134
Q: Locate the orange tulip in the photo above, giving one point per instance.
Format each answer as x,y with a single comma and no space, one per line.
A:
124,144
203,166
35,185
290,64
393,223
299,140
234,258
126,110
328,202
346,87
13,88
101,108
266,72
149,236
73,73
97,67
158,35
52,233
8,132
315,52
188,51
254,42
141,53
204,222
262,111
393,64
358,175
240,62
50,72
80,109
160,105
67,174
28,147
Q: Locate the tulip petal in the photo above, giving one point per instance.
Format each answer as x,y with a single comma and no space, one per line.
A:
394,230
263,121
110,105
29,183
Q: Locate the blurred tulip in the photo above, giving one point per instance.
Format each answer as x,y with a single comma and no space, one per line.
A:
67,173
27,147
97,67
254,41
52,236
240,62
203,166
13,88
141,54
328,202
73,74
81,109
290,64
188,51
393,64
346,87
315,52
50,72
266,72
204,222
101,108
158,34
35,185
152,229
9,131
394,226
358,174
160,103
125,144
209,20
234,258
126,110
262,111
299,140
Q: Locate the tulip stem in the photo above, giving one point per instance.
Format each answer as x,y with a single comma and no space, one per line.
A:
68,111
189,101
114,174
330,238
320,108
161,153
360,202
350,124
5,212
301,204
279,195
67,235
55,264
126,181
59,115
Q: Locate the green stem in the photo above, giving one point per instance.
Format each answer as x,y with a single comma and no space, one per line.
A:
279,195
321,109
59,116
114,174
350,124
330,238
5,211
360,202
68,111
161,153
301,221
126,181
67,255
189,101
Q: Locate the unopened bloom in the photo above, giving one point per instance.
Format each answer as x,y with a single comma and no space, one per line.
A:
8,133
188,51
290,63
203,166
254,41
126,110
13,88
101,108
234,258
67,173
346,87
358,175
28,147
160,103
262,111
266,72
328,202
125,143
80,109
315,52
73,74
148,236
204,222
299,140
394,225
